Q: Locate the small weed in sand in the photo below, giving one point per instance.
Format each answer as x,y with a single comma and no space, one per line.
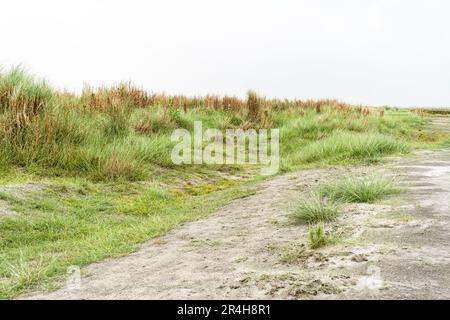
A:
351,189
317,236
315,209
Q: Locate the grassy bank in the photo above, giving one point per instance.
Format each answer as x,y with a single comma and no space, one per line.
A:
86,177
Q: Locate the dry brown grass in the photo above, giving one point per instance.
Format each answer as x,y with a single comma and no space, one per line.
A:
115,167
23,103
103,98
253,105
125,93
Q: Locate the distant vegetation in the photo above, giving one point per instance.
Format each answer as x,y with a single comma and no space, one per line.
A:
434,111
124,132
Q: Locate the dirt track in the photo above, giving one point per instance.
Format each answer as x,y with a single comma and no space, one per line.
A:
249,249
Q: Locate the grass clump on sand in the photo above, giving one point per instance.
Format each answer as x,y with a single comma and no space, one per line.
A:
324,204
347,146
333,137
315,209
356,189
317,236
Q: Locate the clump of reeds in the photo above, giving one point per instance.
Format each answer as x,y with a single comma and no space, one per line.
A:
22,98
123,94
108,133
253,105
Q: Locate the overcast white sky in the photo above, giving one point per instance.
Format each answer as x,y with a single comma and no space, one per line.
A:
361,51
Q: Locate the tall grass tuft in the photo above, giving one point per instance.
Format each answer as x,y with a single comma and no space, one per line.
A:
317,236
123,94
315,209
22,98
356,189
350,145
253,105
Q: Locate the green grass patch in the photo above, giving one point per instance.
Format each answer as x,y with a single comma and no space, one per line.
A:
206,188
357,189
110,184
315,209
317,236
348,146
124,133
72,224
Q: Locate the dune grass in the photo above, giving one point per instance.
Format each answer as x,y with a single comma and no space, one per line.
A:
124,133
104,159
356,189
344,146
317,236
315,209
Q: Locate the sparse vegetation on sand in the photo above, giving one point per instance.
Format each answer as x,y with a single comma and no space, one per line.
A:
315,209
359,189
317,236
346,146
324,204
89,176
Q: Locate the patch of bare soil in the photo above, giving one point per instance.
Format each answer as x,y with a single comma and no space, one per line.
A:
19,190
398,248
5,210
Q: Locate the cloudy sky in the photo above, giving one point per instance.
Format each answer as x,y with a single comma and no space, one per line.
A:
361,51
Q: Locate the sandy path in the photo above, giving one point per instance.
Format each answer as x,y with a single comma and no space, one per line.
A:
399,248
417,265
209,258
